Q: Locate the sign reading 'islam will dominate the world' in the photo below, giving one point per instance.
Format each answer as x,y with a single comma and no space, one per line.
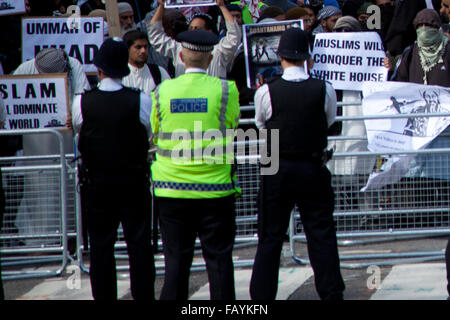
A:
348,59
35,102
81,37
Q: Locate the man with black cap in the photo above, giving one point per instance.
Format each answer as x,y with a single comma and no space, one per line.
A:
113,126
301,109
195,186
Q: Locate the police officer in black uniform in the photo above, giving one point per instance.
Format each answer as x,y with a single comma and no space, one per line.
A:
113,125
2,210
302,109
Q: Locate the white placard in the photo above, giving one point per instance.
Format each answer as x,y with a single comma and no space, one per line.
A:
35,102
80,37
189,3
10,7
348,59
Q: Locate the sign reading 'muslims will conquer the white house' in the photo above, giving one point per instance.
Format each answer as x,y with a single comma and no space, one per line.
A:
348,59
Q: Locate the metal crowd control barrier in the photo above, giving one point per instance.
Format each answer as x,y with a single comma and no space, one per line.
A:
381,216
35,221
385,215
246,221
408,209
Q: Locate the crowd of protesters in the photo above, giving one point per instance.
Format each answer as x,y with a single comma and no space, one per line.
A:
414,34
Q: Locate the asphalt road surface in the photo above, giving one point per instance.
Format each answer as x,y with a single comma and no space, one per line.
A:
365,279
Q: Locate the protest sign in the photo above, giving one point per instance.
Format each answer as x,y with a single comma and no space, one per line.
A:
408,133
189,3
10,7
35,102
80,37
260,48
347,59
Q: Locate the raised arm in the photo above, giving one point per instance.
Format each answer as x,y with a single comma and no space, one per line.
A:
159,40
158,16
226,14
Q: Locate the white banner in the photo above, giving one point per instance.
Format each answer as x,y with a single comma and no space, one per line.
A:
80,37
348,59
10,7
35,102
402,134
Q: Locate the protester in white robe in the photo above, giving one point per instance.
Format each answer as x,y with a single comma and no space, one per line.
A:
223,52
39,212
140,76
351,173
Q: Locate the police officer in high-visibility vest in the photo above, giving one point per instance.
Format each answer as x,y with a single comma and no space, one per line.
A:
193,119
113,123
301,109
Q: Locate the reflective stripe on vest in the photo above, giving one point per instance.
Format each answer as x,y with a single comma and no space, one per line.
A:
158,106
194,143
194,135
193,186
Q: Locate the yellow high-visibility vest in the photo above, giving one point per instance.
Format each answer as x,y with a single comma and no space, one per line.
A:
193,120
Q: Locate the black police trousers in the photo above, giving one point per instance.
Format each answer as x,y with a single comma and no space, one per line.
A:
2,210
307,184
213,221
447,264
112,198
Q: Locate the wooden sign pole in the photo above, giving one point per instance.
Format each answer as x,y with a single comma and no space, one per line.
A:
112,14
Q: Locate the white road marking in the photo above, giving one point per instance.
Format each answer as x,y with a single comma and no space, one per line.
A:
290,279
425,281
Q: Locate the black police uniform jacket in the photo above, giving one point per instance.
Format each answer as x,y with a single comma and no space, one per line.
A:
298,112
112,136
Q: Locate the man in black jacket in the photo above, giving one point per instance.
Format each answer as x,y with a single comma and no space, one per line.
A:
2,209
113,123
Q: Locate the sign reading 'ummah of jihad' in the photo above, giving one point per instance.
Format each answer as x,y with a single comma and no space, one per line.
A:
81,38
35,102
348,59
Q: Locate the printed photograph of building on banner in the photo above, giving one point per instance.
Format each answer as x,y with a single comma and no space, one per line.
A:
260,47
188,3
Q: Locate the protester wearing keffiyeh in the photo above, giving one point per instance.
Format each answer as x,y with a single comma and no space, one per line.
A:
430,40
324,14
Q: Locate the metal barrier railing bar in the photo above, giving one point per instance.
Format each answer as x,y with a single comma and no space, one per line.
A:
35,221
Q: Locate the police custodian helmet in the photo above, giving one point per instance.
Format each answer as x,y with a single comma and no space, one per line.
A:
112,58
294,44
